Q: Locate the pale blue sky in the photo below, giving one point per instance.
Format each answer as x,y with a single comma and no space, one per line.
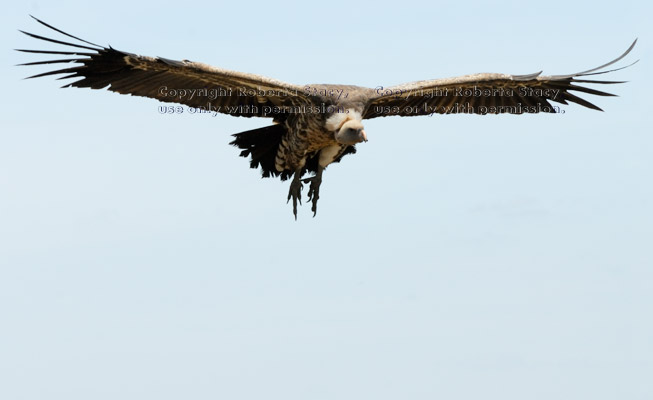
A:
454,257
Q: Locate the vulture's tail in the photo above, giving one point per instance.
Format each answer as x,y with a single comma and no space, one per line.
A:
262,145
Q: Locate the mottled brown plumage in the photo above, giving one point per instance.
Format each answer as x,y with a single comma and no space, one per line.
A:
314,125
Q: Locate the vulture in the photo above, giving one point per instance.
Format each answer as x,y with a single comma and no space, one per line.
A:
312,125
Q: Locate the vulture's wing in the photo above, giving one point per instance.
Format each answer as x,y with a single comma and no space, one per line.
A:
190,83
487,94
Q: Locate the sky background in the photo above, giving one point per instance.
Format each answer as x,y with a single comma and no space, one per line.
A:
454,257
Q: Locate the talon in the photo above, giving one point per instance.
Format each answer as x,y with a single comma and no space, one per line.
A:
314,190
295,193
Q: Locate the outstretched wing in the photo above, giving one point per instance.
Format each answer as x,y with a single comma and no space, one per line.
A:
487,94
190,83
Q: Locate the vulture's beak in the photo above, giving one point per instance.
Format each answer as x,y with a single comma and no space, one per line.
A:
364,136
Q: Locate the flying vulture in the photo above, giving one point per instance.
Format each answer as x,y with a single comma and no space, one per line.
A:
312,125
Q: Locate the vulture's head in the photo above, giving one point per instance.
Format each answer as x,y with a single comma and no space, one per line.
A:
351,132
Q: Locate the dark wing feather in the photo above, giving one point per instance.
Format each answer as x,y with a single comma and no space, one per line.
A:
185,82
487,94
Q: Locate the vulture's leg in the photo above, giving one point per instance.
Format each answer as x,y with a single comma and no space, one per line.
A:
295,191
327,156
314,190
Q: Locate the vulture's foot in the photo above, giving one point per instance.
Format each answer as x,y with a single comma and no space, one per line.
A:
314,190
295,192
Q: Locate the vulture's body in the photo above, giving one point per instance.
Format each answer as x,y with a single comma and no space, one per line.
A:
312,125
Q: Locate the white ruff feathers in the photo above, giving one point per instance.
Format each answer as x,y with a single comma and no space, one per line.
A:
337,120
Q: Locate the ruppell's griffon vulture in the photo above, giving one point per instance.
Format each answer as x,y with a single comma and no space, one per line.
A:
313,125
